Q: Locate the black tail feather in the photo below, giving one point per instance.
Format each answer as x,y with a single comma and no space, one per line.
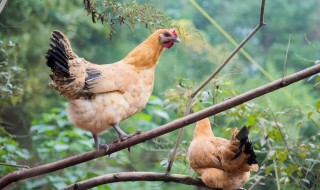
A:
57,58
57,47
57,35
242,136
248,149
52,54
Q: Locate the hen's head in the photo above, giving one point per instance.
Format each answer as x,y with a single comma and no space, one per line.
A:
168,37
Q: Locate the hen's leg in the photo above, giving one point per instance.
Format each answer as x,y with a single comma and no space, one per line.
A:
98,144
122,135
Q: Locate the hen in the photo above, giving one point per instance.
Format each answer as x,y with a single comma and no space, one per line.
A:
222,163
101,96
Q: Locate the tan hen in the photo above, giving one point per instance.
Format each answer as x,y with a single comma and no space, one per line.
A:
101,96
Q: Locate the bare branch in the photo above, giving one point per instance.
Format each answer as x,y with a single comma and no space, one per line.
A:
169,127
135,176
188,107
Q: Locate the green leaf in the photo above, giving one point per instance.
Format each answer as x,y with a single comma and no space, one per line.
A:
318,107
155,101
164,162
251,120
263,141
162,114
271,154
282,155
277,135
299,123
305,180
268,169
60,147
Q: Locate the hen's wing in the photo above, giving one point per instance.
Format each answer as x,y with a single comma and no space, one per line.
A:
75,77
109,78
203,153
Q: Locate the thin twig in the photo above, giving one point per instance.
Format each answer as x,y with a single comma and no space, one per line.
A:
14,165
195,92
274,166
135,176
257,182
286,57
169,127
291,155
316,183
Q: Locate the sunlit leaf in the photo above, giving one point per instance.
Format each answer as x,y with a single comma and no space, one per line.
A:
60,147
318,107
162,114
251,120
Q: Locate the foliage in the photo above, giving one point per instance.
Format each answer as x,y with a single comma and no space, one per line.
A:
10,153
10,84
115,13
285,130
278,147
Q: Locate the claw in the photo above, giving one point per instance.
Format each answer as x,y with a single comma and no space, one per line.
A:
98,144
103,146
123,136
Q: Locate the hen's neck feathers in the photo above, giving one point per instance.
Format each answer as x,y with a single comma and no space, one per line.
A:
147,54
203,129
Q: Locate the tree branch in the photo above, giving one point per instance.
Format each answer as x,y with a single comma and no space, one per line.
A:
135,176
169,127
195,92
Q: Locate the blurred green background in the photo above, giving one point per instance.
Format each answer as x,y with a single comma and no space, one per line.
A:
285,124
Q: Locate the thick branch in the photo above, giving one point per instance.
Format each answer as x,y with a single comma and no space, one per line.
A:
135,176
169,127
214,74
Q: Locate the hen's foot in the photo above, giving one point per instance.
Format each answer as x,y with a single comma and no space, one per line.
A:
124,136
98,144
102,146
127,136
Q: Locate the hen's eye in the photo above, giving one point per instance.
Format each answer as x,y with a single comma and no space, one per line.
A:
167,34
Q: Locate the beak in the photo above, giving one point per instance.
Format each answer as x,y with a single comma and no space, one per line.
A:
176,39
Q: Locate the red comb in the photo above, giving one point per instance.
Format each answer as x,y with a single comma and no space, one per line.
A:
173,31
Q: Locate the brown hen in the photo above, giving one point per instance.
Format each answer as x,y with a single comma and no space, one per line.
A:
222,163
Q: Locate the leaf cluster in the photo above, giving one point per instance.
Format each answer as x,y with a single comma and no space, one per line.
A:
115,13
10,153
10,83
